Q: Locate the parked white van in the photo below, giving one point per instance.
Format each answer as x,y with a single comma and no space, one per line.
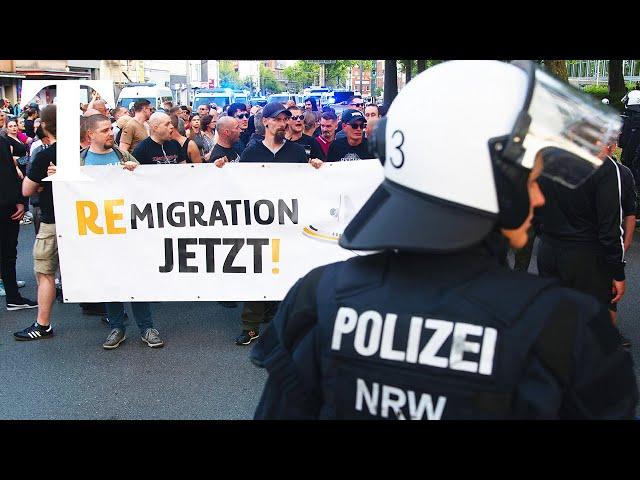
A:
133,92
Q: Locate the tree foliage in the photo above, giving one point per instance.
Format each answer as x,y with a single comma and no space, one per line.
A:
269,82
228,76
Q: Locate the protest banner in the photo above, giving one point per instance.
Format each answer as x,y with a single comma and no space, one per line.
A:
200,233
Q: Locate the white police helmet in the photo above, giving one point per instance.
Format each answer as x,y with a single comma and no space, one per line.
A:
457,153
605,101
633,98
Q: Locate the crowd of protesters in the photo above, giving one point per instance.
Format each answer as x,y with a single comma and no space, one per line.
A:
286,133
171,135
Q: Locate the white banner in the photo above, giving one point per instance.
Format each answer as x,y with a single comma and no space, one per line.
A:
202,233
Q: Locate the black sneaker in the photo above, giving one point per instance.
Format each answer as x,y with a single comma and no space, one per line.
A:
247,336
34,332
21,304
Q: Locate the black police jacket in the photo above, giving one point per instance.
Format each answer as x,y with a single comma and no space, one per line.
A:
409,336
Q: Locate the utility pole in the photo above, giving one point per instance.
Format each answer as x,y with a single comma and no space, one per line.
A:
204,71
188,82
390,81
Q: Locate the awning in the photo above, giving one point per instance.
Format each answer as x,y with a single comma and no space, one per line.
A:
53,74
11,75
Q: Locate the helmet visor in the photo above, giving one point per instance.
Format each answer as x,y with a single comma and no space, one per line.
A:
568,129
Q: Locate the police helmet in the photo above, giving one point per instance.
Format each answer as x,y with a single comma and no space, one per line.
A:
457,154
605,101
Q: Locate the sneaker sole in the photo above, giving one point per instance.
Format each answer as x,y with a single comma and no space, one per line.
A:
247,343
152,345
20,339
20,307
111,347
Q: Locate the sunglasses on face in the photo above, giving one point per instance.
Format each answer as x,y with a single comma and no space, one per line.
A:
240,116
297,117
358,125
357,104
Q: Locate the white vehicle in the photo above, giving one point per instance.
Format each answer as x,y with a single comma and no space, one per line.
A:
219,96
283,97
133,92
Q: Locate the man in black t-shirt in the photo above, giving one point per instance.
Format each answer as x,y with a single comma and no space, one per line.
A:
274,147
159,148
45,249
240,113
295,131
228,129
354,146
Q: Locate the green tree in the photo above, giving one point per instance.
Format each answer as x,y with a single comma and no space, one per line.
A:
303,73
336,74
228,76
268,80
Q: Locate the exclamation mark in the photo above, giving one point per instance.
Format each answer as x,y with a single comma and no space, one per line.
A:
275,254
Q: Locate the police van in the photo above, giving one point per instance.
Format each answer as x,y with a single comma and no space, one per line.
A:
133,92
219,96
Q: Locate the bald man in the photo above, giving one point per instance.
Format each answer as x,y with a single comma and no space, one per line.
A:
159,148
101,106
229,131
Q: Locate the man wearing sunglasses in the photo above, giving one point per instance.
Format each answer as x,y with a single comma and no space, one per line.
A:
239,112
295,133
356,103
354,145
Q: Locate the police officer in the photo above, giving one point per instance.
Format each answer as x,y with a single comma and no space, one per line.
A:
432,326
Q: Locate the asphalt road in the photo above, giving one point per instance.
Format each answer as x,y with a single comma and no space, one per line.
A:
199,374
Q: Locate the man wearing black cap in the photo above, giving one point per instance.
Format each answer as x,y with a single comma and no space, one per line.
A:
354,146
274,147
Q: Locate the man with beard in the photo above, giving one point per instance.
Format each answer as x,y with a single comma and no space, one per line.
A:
328,126
274,147
102,149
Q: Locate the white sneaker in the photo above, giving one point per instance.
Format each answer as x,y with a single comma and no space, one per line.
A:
21,283
26,221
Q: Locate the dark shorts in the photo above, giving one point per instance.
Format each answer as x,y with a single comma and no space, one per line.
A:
580,267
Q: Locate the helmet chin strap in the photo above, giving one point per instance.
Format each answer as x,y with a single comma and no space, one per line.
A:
511,188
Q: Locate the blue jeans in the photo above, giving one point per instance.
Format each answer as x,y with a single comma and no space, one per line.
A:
141,314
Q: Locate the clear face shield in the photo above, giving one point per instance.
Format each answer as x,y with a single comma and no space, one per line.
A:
568,129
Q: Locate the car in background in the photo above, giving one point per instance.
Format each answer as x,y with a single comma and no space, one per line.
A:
132,92
208,96
283,97
261,101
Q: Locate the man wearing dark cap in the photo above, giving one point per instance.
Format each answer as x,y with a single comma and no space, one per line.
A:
354,146
274,147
